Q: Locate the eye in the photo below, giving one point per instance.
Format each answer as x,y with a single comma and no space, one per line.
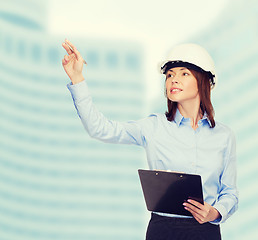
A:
186,74
169,76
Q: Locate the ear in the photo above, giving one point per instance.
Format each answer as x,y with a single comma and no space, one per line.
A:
165,89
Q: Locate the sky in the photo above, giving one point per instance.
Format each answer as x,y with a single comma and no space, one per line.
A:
158,25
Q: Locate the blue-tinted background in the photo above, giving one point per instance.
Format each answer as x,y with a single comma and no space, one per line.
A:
56,182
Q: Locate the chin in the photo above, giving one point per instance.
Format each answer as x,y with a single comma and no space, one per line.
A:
173,99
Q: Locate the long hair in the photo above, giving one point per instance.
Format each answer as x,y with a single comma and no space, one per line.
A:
204,89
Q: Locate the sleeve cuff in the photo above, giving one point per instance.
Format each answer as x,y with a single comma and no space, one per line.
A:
79,90
223,212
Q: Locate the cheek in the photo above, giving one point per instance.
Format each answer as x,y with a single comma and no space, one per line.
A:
192,86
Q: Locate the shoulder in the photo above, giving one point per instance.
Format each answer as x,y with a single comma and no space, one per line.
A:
153,118
152,121
157,118
224,130
227,138
222,127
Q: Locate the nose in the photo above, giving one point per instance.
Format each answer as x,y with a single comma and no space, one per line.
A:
175,79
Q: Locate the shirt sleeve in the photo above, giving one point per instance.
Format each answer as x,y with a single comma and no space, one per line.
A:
227,202
98,126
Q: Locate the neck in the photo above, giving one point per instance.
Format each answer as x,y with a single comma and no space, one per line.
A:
192,111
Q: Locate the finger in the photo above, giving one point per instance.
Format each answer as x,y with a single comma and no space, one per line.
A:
66,58
195,203
193,209
74,49
190,207
69,43
70,46
196,215
199,220
66,47
64,62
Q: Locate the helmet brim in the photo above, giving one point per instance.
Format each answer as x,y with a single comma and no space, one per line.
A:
172,64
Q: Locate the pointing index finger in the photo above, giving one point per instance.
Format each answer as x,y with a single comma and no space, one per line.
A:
69,44
68,49
74,50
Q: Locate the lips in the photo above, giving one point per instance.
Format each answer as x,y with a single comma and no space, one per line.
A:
175,90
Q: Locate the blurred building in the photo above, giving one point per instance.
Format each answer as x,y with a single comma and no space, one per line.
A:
56,182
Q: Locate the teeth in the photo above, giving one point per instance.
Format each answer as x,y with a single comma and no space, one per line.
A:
176,90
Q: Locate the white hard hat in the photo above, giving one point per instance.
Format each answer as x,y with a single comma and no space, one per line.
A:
191,56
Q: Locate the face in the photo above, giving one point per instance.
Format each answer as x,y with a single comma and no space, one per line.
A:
181,86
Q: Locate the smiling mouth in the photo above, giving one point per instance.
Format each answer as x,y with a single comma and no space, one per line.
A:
175,90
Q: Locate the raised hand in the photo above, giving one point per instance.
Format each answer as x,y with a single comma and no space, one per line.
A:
73,62
202,213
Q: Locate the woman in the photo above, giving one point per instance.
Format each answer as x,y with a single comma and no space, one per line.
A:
185,139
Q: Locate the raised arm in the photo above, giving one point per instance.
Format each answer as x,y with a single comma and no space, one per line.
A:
97,125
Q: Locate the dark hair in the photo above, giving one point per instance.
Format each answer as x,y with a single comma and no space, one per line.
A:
204,88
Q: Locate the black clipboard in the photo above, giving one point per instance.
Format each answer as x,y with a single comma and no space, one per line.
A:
166,191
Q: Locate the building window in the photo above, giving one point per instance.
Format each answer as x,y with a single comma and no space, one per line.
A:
8,45
92,58
53,55
36,52
112,60
132,62
21,49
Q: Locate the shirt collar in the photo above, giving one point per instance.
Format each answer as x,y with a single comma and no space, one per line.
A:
179,118
206,119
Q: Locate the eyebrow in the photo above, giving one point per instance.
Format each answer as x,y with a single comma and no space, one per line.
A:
181,69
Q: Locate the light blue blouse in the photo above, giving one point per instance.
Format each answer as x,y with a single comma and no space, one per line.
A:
209,152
